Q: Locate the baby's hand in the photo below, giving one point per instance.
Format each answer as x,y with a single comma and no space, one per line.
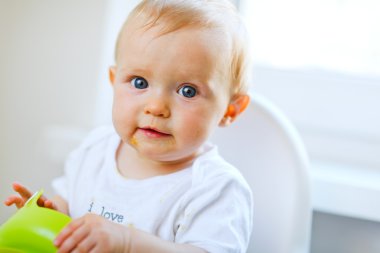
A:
25,194
92,233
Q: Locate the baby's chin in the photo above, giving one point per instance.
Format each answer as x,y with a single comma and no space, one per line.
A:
166,155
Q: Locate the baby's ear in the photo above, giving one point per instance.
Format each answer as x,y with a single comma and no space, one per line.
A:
237,105
112,74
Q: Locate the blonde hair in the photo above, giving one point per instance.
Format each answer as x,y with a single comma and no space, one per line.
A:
210,14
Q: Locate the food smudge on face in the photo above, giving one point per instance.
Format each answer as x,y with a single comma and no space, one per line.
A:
133,141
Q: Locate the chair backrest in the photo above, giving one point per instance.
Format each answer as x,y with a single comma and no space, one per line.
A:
268,151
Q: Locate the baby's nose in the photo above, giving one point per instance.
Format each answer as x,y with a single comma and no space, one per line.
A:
157,107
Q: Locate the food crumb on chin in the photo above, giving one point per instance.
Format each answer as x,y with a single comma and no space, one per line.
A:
133,141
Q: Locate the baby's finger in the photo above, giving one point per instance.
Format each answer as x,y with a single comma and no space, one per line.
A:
49,204
79,241
9,201
96,249
22,190
67,232
19,202
41,201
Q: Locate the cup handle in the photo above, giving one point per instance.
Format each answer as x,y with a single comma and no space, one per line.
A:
33,199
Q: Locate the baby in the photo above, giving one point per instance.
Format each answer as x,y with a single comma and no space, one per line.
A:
152,182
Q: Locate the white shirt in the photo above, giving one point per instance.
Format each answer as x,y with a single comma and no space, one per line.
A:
208,205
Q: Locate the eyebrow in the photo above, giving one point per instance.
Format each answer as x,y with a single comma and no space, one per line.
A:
139,71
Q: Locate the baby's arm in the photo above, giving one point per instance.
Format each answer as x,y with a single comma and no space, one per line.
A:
92,233
56,203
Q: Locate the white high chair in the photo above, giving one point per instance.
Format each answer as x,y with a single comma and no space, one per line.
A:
267,149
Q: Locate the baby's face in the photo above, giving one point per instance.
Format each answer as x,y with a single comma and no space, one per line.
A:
169,92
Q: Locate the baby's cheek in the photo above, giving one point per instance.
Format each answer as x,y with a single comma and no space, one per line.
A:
197,128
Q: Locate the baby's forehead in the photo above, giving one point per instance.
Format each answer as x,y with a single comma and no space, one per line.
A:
205,41
135,31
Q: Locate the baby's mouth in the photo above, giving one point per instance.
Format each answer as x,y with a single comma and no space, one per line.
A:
152,132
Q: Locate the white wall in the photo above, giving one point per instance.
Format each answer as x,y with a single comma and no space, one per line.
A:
339,234
49,72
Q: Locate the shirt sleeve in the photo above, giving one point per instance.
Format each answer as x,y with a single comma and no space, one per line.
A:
217,216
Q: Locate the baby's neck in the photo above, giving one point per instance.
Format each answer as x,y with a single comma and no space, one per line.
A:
132,165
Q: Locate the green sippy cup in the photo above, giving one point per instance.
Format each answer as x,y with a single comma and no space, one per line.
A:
32,228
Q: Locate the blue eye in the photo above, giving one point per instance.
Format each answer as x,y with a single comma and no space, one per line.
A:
139,83
187,91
